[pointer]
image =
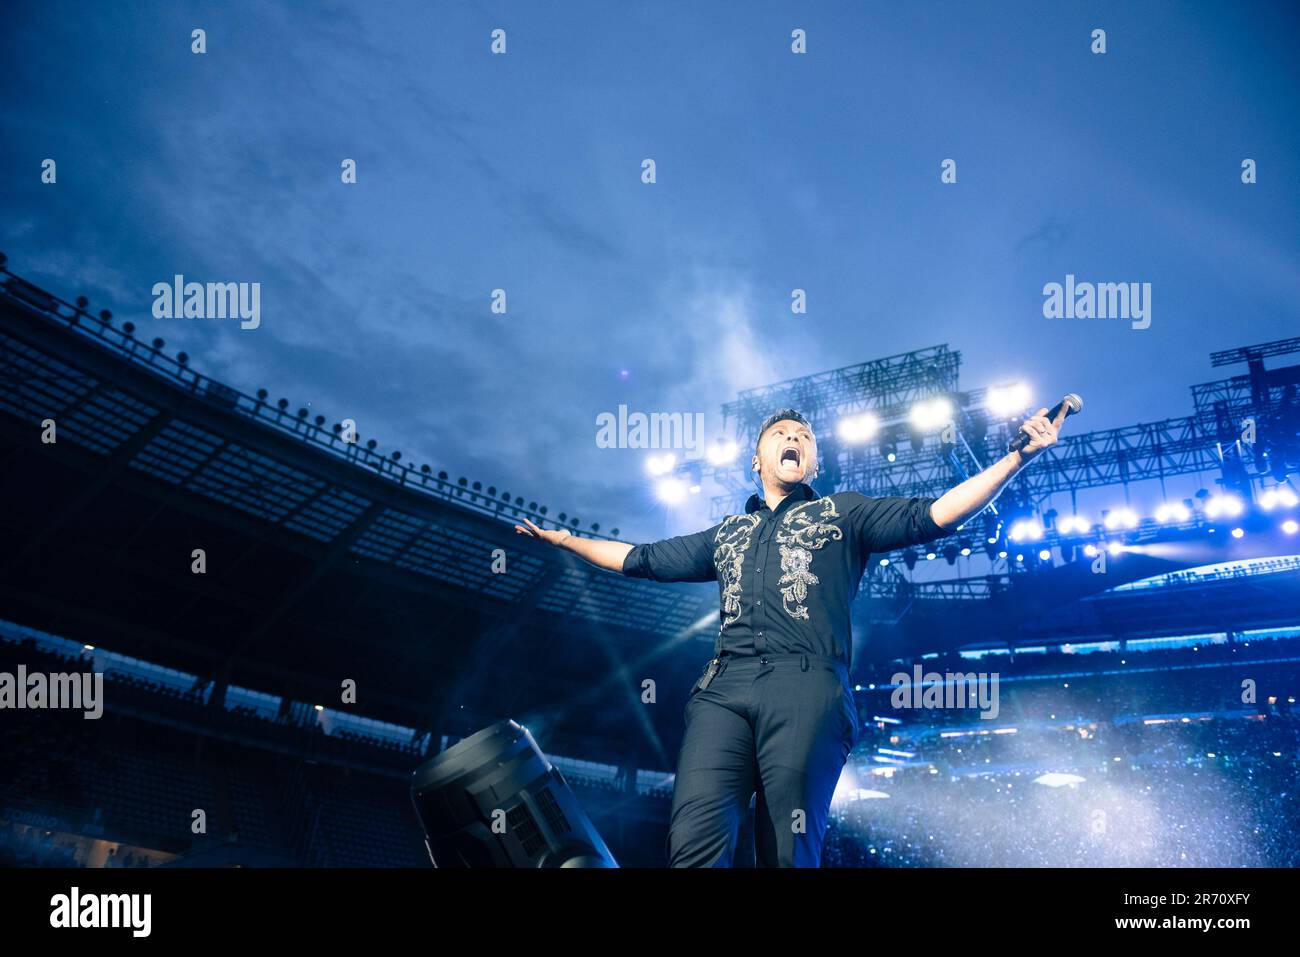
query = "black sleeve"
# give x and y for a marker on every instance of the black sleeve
(894, 522)
(686, 558)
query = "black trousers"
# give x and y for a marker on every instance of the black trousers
(779, 726)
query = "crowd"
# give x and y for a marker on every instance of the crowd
(1167, 766)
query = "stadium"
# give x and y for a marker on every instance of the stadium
(227, 561)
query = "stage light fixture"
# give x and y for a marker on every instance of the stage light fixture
(671, 491)
(1025, 530)
(1224, 506)
(930, 415)
(1121, 518)
(660, 464)
(1172, 512)
(499, 776)
(1005, 401)
(1073, 524)
(856, 429)
(723, 452)
(1290, 526)
(1277, 498)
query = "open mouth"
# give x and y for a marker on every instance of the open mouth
(790, 456)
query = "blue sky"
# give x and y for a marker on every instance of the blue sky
(775, 171)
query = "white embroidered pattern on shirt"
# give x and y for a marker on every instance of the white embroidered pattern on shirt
(802, 532)
(732, 541)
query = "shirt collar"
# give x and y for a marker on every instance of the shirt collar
(803, 492)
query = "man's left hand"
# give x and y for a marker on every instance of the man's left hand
(1042, 431)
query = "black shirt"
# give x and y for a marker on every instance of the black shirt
(786, 578)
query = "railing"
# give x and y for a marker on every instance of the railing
(313, 432)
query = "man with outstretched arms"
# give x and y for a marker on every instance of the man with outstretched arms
(773, 712)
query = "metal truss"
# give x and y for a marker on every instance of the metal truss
(885, 386)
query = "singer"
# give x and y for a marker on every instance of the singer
(772, 713)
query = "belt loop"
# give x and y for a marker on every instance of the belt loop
(803, 664)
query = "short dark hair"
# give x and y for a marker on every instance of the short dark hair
(779, 416)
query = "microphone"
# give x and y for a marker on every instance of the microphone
(1072, 405)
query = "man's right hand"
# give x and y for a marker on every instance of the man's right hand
(550, 536)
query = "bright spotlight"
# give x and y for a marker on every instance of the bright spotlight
(1090, 551)
(1114, 548)
(723, 452)
(1026, 530)
(1238, 532)
(1290, 526)
(1121, 518)
(1277, 498)
(930, 556)
(846, 788)
(1073, 523)
(1057, 779)
(1005, 401)
(660, 464)
(1045, 554)
(671, 491)
(1172, 512)
(1228, 506)
(931, 414)
(856, 429)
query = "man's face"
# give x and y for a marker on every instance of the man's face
(787, 454)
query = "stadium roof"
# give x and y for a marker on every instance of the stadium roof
(324, 559)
